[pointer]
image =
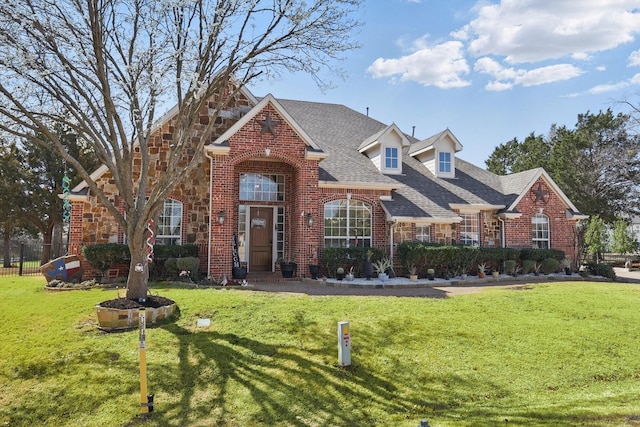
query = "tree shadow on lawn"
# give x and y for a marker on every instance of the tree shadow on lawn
(288, 389)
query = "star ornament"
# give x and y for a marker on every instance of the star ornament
(268, 125)
(540, 194)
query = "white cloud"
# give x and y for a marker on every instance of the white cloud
(539, 30)
(441, 65)
(609, 87)
(507, 77)
(509, 32)
(596, 90)
(634, 59)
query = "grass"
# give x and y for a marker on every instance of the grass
(560, 354)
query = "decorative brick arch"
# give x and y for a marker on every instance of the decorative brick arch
(259, 154)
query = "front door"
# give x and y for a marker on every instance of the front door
(260, 239)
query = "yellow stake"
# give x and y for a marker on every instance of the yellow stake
(144, 404)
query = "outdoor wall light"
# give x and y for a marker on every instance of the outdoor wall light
(221, 216)
(310, 219)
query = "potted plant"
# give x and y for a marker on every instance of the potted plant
(340, 273)
(495, 273)
(381, 266)
(314, 267)
(566, 263)
(482, 270)
(431, 274)
(367, 266)
(287, 268)
(349, 276)
(413, 273)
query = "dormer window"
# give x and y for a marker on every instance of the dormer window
(391, 158)
(444, 162)
(384, 149)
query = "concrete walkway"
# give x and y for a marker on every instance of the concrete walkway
(438, 288)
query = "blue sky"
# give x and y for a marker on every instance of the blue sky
(487, 70)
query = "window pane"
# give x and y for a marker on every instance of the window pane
(259, 187)
(169, 230)
(423, 233)
(391, 158)
(469, 229)
(445, 162)
(347, 223)
(540, 231)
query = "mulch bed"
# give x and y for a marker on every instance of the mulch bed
(124, 303)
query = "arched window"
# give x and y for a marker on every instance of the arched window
(540, 231)
(169, 227)
(347, 223)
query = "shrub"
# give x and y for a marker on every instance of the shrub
(539, 255)
(605, 270)
(163, 252)
(190, 264)
(171, 267)
(104, 256)
(550, 265)
(528, 266)
(332, 258)
(510, 266)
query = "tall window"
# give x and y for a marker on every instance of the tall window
(444, 162)
(423, 233)
(347, 223)
(260, 187)
(169, 230)
(391, 158)
(540, 231)
(469, 229)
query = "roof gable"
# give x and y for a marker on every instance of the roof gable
(251, 115)
(435, 141)
(378, 137)
(521, 183)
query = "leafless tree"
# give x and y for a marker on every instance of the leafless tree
(107, 68)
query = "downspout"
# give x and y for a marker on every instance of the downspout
(391, 230)
(502, 233)
(210, 212)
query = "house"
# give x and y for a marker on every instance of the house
(288, 178)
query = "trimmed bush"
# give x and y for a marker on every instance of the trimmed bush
(171, 266)
(550, 265)
(332, 258)
(540, 254)
(528, 266)
(189, 264)
(104, 256)
(510, 266)
(605, 270)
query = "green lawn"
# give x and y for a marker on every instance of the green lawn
(560, 354)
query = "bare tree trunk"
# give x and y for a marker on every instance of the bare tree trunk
(46, 247)
(137, 282)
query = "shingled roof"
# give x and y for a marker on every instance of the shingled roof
(417, 193)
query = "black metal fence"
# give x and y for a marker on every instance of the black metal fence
(26, 258)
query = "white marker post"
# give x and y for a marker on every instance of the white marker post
(344, 344)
